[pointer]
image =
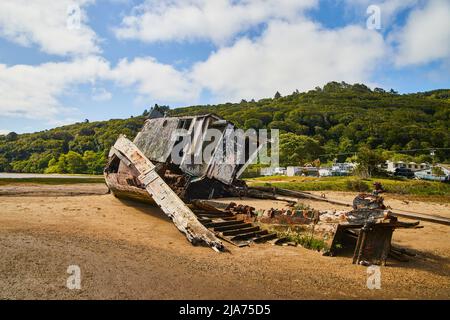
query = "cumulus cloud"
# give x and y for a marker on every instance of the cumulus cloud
(217, 20)
(155, 80)
(287, 56)
(33, 91)
(51, 25)
(101, 94)
(290, 56)
(425, 36)
(292, 52)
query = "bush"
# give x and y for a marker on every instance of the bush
(357, 185)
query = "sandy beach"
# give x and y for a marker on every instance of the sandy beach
(132, 251)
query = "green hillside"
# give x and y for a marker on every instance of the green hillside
(334, 121)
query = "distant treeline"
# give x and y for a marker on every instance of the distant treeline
(326, 123)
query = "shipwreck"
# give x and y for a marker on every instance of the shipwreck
(160, 168)
(189, 180)
(146, 170)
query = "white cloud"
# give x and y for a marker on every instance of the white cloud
(291, 52)
(288, 57)
(426, 35)
(155, 80)
(215, 20)
(101, 94)
(33, 91)
(4, 132)
(45, 23)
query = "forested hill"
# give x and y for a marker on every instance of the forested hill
(336, 119)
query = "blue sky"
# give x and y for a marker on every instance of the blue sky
(70, 60)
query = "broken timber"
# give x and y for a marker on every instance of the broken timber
(223, 220)
(183, 218)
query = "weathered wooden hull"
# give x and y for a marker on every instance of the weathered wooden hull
(138, 175)
(125, 191)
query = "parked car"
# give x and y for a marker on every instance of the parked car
(404, 172)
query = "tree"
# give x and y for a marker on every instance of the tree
(72, 162)
(253, 124)
(369, 161)
(341, 118)
(392, 91)
(346, 145)
(277, 95)
(75, 163)
(12, 136)
(94, 161)
(87, 132)
(298, 149)
(57, 166)
(162, 109)
(278, 116)
(289, 126)
(4, 164)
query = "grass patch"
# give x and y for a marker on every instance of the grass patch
(301, 206)
(305, 240)
(391, 185)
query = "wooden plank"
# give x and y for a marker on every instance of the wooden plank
(422, 217)
(183, 218)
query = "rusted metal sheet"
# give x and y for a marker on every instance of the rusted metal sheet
(373, 244)
(366, 229)
(183, 218)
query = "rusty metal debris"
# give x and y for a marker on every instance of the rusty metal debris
(290, 195)
(366, 229)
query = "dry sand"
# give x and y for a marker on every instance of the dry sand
(132, 251)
